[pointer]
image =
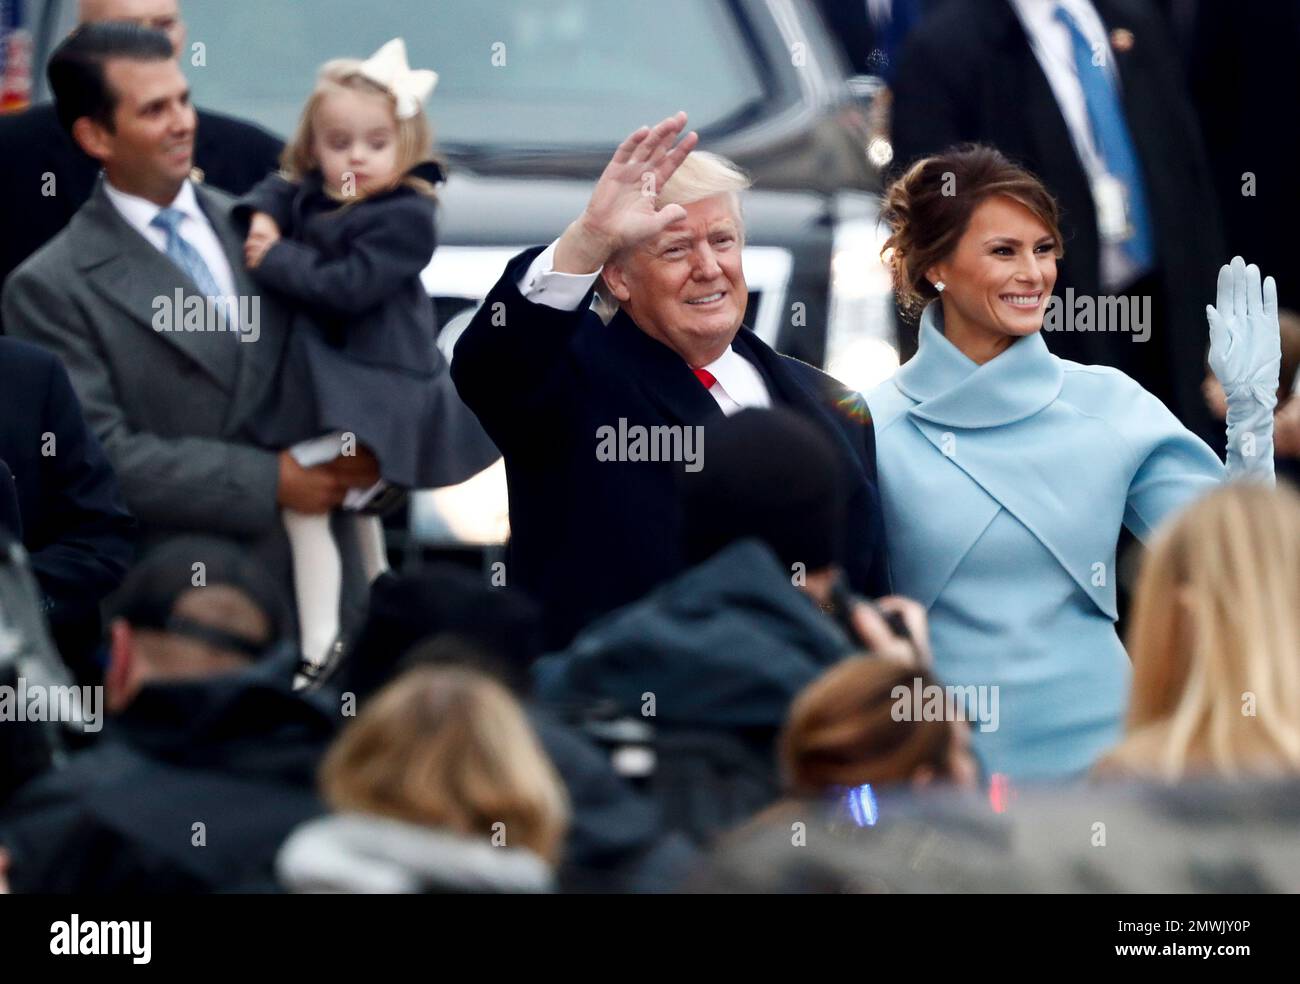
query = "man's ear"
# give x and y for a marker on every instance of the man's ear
(119, 685)
(616, 281)
(92, 137)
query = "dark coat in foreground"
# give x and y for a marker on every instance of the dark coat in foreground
(589, 535)
(361, 356)
(71, 517)
(237, 754)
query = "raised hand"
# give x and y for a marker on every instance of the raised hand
(621, 212)
(1245, 339)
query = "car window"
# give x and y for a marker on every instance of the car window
(513, 73)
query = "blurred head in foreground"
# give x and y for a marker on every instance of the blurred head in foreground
(1215, 642)
(449, 748)
(193, 608)
(856, 724)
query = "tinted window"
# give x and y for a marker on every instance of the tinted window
(512, 72)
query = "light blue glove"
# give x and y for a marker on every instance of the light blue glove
(1246, 356)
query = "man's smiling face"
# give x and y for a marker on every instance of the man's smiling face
(686, 287)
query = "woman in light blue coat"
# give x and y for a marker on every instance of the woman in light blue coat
(1006, 472)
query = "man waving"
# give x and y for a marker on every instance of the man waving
(594, 419)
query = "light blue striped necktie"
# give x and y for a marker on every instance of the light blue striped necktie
(1114, 142)
(182, 252)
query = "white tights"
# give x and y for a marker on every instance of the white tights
(318, 574)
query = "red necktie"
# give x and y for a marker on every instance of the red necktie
(705, 377)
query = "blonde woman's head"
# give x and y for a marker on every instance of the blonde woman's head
(449, 748)
(1215, 640)
(351, 133)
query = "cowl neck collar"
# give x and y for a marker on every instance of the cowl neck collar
(952, 390)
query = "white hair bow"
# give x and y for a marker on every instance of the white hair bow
(411, 87)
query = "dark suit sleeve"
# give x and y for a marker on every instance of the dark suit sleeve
(80, 539)
(393, 244)
(511, 365)
(11, 520)
(233, 153)
(273, 195)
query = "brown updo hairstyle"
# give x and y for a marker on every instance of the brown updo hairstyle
(929, 208)
(841, 731)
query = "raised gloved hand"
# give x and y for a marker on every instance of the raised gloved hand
(1246, 356)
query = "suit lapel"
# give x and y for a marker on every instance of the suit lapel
(257, 361)
(658, 373)
(132, 276)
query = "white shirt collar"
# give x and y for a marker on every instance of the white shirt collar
(139, 212)
(739, 379)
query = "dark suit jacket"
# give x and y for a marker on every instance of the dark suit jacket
(233, 155)
(1244, 52)
(74, 523)
(171, 408)
(586, 535)
(968, 74)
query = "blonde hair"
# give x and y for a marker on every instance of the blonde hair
(702, 175)
(449, 747)
(1216, 629)
(414, 134)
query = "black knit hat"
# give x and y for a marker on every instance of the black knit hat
(771, 475)
(499, 626)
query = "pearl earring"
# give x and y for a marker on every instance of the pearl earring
(939, 285)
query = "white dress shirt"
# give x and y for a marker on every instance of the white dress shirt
(738, 383)
(197, 230)
(1054, 49)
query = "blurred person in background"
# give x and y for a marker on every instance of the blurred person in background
(1242, 54)
(439, 785)
(871, 32)
(207, 759)
(232, 154)
(68, 511)
(1090, 97)
(1215, 642)
(594, 519)
(1008, 472)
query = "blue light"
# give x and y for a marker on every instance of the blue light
(862, 805)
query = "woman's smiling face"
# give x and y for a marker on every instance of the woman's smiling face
(997, 279)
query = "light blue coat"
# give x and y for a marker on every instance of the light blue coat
(1004, 487)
